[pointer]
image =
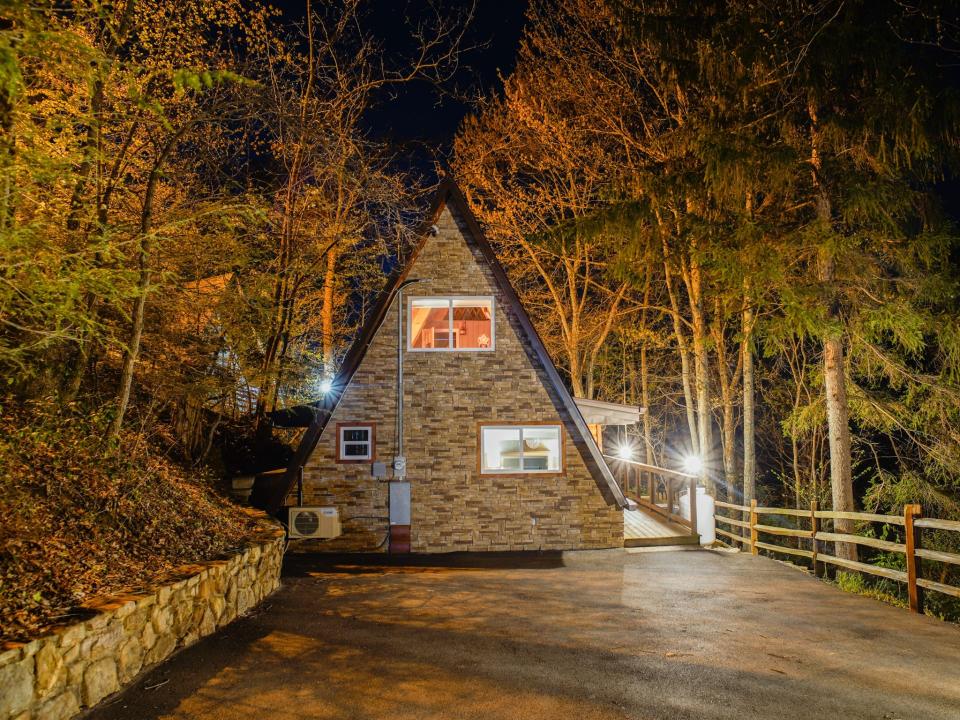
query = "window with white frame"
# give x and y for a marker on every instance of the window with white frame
(521, 449)
(355, 443)
(450, 324)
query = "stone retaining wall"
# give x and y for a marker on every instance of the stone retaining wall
(55, 677)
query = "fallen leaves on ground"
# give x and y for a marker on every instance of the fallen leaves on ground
(82, 520)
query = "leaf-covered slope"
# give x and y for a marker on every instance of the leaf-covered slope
(81, 520)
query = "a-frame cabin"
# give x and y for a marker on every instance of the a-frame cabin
(497, 455)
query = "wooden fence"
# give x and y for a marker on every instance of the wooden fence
(912, 549)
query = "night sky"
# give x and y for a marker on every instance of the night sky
(417, 119)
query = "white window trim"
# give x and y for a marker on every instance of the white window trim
(342, 444)
(520, 470)
(450, 299)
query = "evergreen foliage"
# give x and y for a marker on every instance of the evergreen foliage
(777, 170)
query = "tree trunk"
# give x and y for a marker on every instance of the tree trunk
(729, 378)
(645, 388)
(841, 475)
(8, 152)
(685, 374)
(576, 297)
(283, 301)
(795, 459)
(729, 434)
(600, 342)
(645, 400)
(834, 376)
(115, 39)
(576, 372)
(327, 312)
(749, 427)
(81, 359)
(701, 372)
(136, 329)
(132, 353)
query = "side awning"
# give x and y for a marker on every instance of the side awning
(599, 412)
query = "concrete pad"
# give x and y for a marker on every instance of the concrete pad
(593, 635)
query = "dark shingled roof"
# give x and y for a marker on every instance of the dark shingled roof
(447, 194)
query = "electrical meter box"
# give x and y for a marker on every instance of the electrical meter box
(399, 503)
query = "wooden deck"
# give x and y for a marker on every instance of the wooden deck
(642, 528)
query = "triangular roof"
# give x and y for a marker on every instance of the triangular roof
(447, 194)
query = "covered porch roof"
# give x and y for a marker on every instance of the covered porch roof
(600, 412)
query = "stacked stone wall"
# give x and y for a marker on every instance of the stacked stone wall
(57, 676)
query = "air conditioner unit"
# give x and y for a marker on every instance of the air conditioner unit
(314, 522)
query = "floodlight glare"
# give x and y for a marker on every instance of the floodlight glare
(693, 464)
(326, 385)
(625, 452)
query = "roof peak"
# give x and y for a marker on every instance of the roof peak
(447, 194)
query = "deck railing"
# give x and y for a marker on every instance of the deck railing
(659, 491)
(912, 549)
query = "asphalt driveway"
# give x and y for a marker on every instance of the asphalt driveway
(697, 634)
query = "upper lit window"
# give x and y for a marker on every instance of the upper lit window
(355, 443)
(450, 323)
(521, 449)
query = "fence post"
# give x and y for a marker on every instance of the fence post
(814, 529)
(753, 527)
(914, 567)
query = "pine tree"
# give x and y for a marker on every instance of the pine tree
(856, 124)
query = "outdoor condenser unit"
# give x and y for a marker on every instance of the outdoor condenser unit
(314, 522)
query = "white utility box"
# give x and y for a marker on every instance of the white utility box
(399, 503)
(314, 522)
(706, 525)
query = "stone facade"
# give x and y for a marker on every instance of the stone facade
(57, 676)
(446, 396)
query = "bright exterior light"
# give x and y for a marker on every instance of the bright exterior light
(692, 464)
(625, 452)
(326, 385)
